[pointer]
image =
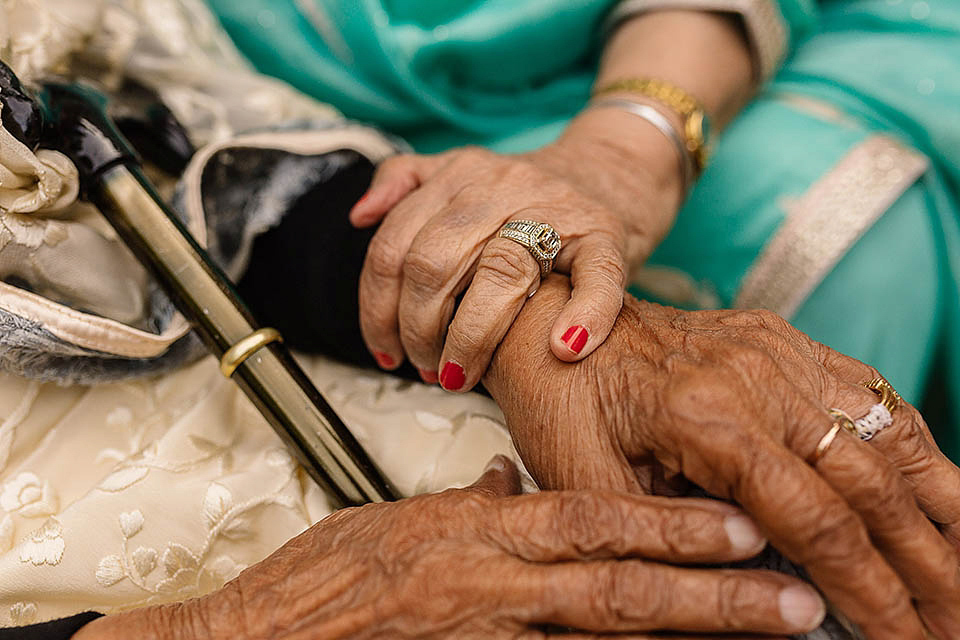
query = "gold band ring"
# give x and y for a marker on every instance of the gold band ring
(842, 418)
(246, 347)
(888, 396)
(825, 443)
(539, 238)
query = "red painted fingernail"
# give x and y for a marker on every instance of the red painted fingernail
(360, 201)
(383, 359)
(430, 377)
(452, 376)
(575, 337)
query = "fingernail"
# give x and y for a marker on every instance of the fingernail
(383, 359)
(359, 202)
(802, 608)
(497, 463)
(575, 337)
(452, 376)
(743, 533)
(430, 377)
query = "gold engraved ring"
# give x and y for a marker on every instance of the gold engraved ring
(246, 347)
(889, 398)
(539, 238)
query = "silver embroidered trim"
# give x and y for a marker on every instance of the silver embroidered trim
(765, 26)
(826, 221)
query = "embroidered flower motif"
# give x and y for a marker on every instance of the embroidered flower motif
(22, 613)
(110, 571)
(181, 567)
(29, 496)
(144, 561)
(45, 545)
(216, 503)
(131, 523)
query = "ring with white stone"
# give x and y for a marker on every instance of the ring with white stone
(539, 238)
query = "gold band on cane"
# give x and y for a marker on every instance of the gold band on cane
(888, 396)
(246, 347)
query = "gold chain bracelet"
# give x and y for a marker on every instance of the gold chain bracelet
(695, 123)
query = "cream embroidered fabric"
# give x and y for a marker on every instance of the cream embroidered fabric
(126, 494)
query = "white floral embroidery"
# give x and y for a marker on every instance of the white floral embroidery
(110, 570)
(22, 613)
(29, 496)
(45, 545)
(144, 561)
(216, 503)
(131, 523)
(120, 480)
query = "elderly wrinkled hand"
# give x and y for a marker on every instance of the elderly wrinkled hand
(737, 402)
(483, 562)
(439, 239)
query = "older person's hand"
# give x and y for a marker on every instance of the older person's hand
(438, 239)
(484, 563)
(737, 403)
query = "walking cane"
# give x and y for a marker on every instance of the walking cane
(72, 119)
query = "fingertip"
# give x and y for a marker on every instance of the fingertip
(745, 537)
(364, 213)
(801, 607)
(452, 376)
(573, 344)
(386, 361)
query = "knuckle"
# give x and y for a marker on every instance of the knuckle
(837, 536)
(470, 157)
(735, 597)
(384, 260)
(424, 271)
(685, 532)
(587, 522)
(507, 265)
(618, 599)
(396, 162)
(521, 172)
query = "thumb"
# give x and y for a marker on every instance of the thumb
(500, 478)
(598, 274)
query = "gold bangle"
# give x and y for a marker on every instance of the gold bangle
(246, 347)
(696, 127)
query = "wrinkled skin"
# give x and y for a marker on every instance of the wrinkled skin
(736, 402)
(483, 562)
(438, 239)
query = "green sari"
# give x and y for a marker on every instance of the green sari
(832, 199)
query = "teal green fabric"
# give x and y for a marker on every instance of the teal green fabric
(509, 74)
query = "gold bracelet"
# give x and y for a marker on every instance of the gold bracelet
(695, 123)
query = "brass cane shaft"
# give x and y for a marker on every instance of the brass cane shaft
(269, 376)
